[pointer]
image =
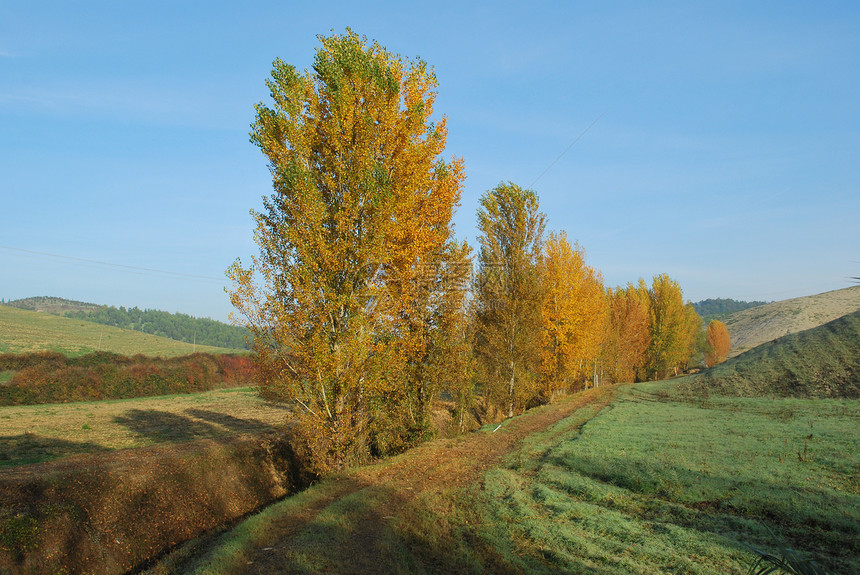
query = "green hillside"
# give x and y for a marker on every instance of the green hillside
(645, 484)
(23, 331)
(755, 326)
(178, 326)
(820, 362)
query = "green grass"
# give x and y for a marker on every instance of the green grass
(669, 487)
(704, 475)
(650, 484)
(24, 331)
(820, 362)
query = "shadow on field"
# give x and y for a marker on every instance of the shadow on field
(713, 504)
(164, 426)
(370, 529)
(230, 422)
(29, 448)
(161, 426)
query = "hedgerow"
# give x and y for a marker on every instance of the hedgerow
(49, 377)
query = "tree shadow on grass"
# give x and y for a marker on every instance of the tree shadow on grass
(730, 506)
(160, 426)
(230, 422)
(27, 448)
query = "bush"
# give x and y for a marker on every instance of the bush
(53, 378)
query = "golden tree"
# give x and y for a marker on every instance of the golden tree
(628, 333)
(671, 341)
(509, 293)
(450, 359)
(693, 337)
(361, 207)
(718, 343)
(572, 315)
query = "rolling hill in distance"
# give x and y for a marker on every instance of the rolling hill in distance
(821, 362)
(176, 326)
(24, 331)
(757, 325)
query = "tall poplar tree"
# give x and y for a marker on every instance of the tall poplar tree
(509, 293)
(573, 314)
(361, 207)
(674, 328)
(628, 333)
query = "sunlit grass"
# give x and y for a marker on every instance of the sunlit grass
(37, 433)
(656, 487)
(648, 484)
(23, 331)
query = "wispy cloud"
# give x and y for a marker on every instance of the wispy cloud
(7, 54)
(110, 98)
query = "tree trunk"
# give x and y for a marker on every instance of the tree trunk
(511, 393)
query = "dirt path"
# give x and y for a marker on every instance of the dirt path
(432, 468)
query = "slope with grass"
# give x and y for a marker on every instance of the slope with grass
(760, 324)
(656, 485)
(101, 487)
(23, 331)
(652, 478)
(178, 326)
(820, 362)
(667, 477)
(647, 483)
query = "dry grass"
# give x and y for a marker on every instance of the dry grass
(24, 331)
(755, 326)
(37, 433)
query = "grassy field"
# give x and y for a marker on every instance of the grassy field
(24, 331)
(658, 486)
(685, 476)
(37, 433)
(649, 484)
(670, 477)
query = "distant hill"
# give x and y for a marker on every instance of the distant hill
(754, 326)
(820, 362)
(25, 331)
(52, 305)
(178, 326)
(720, 308)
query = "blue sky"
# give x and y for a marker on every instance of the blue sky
(726, 150)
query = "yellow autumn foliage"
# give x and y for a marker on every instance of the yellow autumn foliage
(573, 315)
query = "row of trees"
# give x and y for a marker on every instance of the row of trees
(720, 308)
(363, 306)
(544, 322)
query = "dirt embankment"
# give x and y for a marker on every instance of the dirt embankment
(109, 513)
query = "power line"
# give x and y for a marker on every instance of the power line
(567, 149)
(113, 265)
